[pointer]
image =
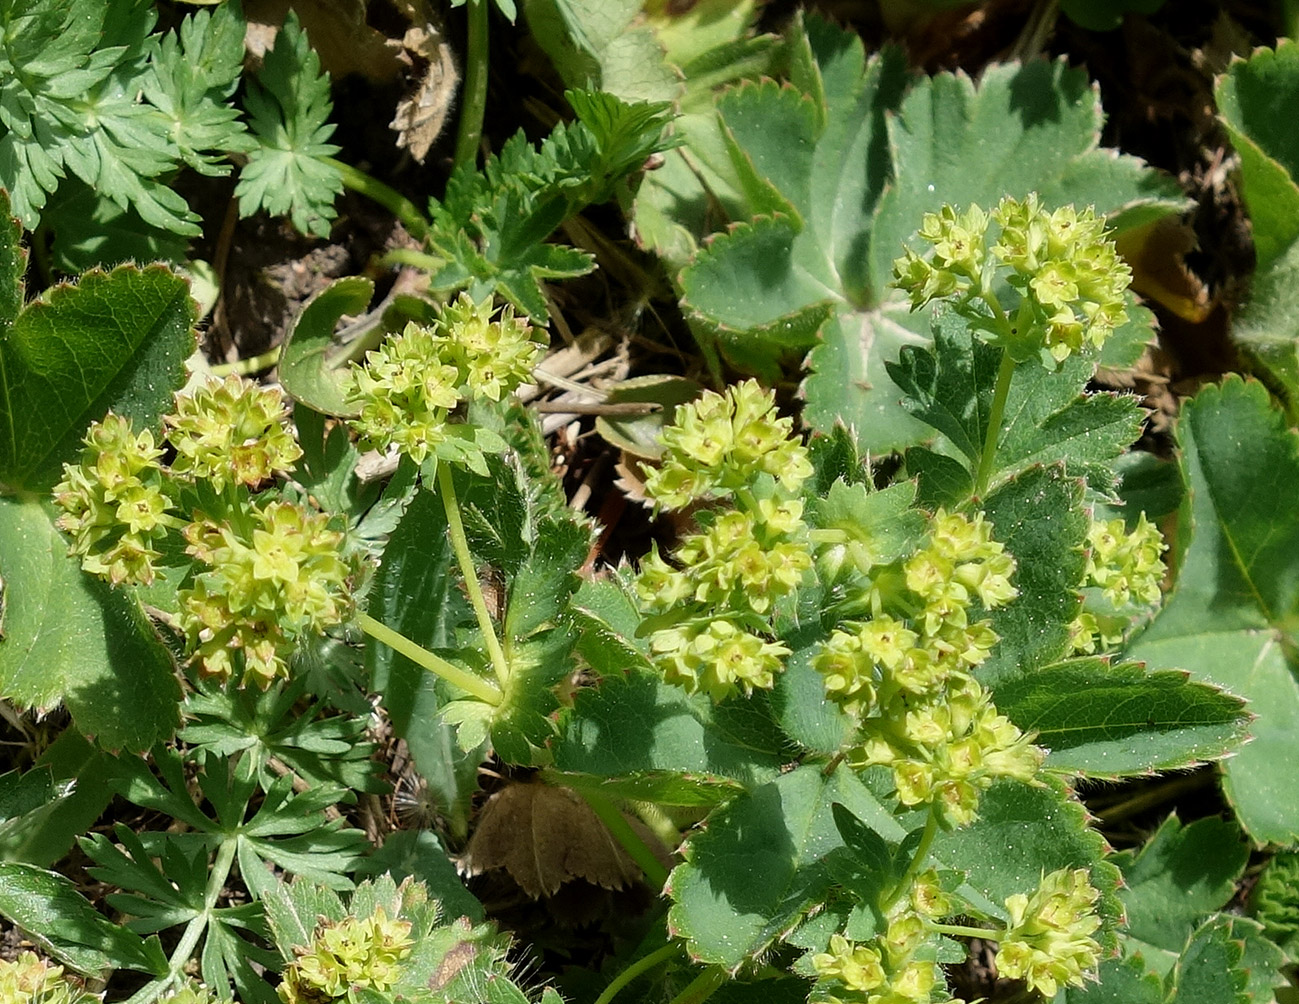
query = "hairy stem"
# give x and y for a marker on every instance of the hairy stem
(392, 200)
(917, 860)
(453, 674)
(702, 987)
(473, 97)
(1004, 374)
(641, 965)
(253, 364)
(460, 544)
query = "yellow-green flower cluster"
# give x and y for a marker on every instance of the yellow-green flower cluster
(1049, 942)
(958, 256)
(905, 671)
(29, 979)
(1124, 569)
(264, 587)
(113, 502)
(409, 386)
(946, 747)
(231, 432)
(720, 443)
(722, 597)
(1066, 269)
(921, 632)
(351, 954)
(897, 968)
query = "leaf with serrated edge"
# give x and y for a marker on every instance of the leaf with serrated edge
(1024, 128)
(1039, 517)
(1180, 876)
(636, 722)
(48, 906)
(1253, 97)
(1109, 721)
(1231, 610)
(114, 340)
(760, 863)
(1024, 831)
(68, 636)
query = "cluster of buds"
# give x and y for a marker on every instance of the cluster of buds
(409, 387)
(263, 589)
(718, 596)
(114, 504)
(267, 572)
(898, 967)
(231, 432)
(905, 671)
(1069, 276)
(345, 957)
(29, 979)
(1049, 943)
(719, 444)
(1123, 577)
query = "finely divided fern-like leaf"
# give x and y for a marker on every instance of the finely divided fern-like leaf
(490, 226)
(288, 107)
(71, 74)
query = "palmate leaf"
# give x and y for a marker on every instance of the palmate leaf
(193, 72)
(837, 169)
(70, 81)
(1049, 417)
(1230, 617)
(289, 172)
(761, 863)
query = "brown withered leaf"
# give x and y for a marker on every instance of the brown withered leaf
(422, 114)
(545, 836)
(1157, 254)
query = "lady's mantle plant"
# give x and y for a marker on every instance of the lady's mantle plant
(853, 677)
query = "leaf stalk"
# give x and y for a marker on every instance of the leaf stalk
(453, 674)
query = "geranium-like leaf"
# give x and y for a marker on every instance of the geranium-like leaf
(837, 169)
(1107, 720)
(1230, 617)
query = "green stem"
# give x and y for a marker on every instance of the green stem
(392, 200)
(188, 943)
(655, 874)
(409, 256)
(702, 987)
(460, 544)
(473, 97)
(960, 931)
(917, 859)
(454, 675)
(1004, 374)
(641, 965)
(253, 364)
